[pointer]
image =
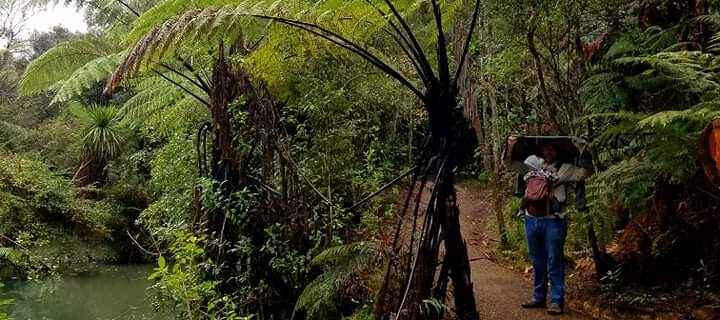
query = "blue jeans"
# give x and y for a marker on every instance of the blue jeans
(546, 241)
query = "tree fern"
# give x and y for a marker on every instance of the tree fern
(200, 24)
(62, 61)
(85, 77)
(341, 264)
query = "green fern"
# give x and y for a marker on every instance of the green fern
(153, 94)
(342, 264)
(62, 61)
(85, 77)
(194, 26)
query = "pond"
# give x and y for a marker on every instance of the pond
(115, 292)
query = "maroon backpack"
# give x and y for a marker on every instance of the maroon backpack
(538, 195)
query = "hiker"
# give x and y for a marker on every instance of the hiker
(543, 209)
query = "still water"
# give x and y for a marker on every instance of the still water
(116, 292)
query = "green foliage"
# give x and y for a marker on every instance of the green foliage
(183, 279)
(85, 77)
(173, 182)
(4, 304)
(36, 207)
(68, 66)
(515, 228)
(650, 102)
(101, 134)
(341, 265)
(32, 192)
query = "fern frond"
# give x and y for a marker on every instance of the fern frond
(319, 299)
(699, 116)
(625, 45)
(207, 23)
(338, 254)
(152, 94)
(85, 77)
(602, 93)
(60, 62)
(687, 68)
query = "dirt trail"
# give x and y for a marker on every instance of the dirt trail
(498, 291)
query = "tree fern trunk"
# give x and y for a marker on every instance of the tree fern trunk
(451, 141)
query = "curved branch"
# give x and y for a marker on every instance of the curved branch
(383, 188)
(127, 6)
(422, 58)
(424, 71)
(473, 24)
(186, 90)
(139, 246)
(348, 45)
(200, 85)
(442, 54)
(406, 49)
(190, 68)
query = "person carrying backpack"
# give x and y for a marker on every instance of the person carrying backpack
(543, 208)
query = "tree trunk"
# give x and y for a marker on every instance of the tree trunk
(225, 168)
(449, 142)
(709, 152)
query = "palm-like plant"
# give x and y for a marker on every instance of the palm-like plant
(101, 136)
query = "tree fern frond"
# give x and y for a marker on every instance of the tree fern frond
(319, 299)
(85, 77)
(620, 115)
(656, 39)
(625, 45)
(601, 93)
(699, 116)
(207, 22)
(338, 254)
(688, 68)
(60, 62)
(629, 180)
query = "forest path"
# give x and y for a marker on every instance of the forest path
(498, 291)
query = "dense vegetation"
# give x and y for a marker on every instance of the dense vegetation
(233, 144)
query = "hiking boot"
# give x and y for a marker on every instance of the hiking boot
(555, 309)
(534, 304)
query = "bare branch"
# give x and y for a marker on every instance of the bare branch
(383, 188)
(186, 90)
(422, 58)
(201, 81)
(411, 52)
(442, 54)
(346, 44)
(463, 59)
(186, 77)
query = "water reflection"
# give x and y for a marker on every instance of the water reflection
(117, 292)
